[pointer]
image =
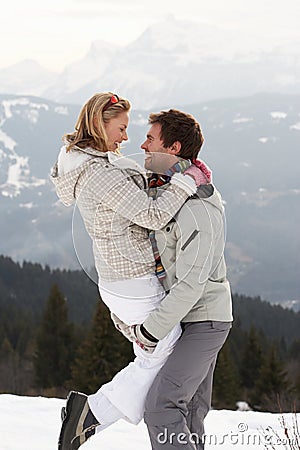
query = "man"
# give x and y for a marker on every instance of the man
(191, 248)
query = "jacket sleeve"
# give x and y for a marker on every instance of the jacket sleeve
(194, 257)
(127, 199)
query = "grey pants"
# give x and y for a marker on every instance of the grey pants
(180, 396)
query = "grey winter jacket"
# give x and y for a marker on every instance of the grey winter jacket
(192, 252)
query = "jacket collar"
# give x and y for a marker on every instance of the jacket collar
(120, 161)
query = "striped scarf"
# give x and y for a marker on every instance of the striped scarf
(155, 181)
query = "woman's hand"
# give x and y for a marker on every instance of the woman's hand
(136, 333)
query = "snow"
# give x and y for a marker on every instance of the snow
(278, 115)
(18, 173)
(26, 77)
(263, 140)
(18, 176)
(23, 101)
(8, 104)
(8, 142)
(140, 121)
(192, 41)
(15, 170)
(242, 120)
(182, 50)
(5, 193)
(81, 73)
(285, 79)
(32, 115)
(295, 127)
(33, 423)
(61, 110)
(28, 205)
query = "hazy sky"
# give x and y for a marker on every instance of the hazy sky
(57, 32)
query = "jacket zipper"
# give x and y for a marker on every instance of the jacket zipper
(192, 236)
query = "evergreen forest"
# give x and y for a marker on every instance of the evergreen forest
(56, 334)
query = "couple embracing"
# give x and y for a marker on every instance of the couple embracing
(158, 242)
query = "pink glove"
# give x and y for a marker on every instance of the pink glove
(200, 172)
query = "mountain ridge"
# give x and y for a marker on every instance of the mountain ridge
(172, 61)
(251, 143)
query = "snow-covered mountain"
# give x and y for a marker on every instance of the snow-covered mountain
(27, 78)
(172, 62)
(75, 76)
(183, 62)
(251, 143)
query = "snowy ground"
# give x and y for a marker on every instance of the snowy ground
(33, 423)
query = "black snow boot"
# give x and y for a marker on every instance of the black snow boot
(79, 423)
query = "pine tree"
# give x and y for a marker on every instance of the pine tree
(54, 343)
(102, 354)
(226, 389)
(8, 361)
(297, 385)
(237, 341)
(251, 360)
(294, 350)
(271, 383)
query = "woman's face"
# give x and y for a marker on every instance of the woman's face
(116, 130)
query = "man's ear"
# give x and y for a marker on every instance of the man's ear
(175, 148)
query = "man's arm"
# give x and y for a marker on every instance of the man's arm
(194, 256)
(193, 266)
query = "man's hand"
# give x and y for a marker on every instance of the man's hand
(137, 334)
(143, 339)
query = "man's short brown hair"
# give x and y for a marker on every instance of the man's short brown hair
(179, 126)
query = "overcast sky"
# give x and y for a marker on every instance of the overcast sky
(57, 32)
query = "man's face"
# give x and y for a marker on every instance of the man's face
(157, 157)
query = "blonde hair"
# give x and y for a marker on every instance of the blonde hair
(90, 131)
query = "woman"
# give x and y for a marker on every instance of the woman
(109, 191)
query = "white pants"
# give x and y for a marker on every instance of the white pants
(132, 301)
